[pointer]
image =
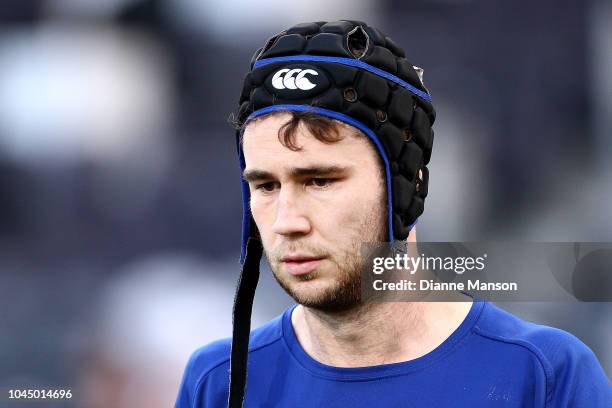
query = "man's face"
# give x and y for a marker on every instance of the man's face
(313, 208)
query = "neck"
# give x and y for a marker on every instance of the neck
(377, 333)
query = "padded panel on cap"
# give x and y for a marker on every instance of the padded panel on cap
(421, 127)
(382, 58)
(394, 168)
(327, 44)
(343, 76)
(363, 112)
(406, 71)
(372, 89)
(410, 159)
(400, 108)
(258, 76)
(304, 29)
(290, 44)
(260, 98)
(403, 191)
(416, 208)
(400, 228)
(332, 99)
(394, 48)
(376, 36)
(271, 41)
(338, 27)
(392, 139)
(428, 108)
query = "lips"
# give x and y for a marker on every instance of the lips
(300, 264)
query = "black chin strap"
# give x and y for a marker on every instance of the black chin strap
(243, 306)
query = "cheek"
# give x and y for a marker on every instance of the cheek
(260, 210)
(350, 209)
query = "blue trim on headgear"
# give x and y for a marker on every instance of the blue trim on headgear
(347, 61)
(246, 215)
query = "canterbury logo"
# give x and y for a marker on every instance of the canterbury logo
(287, 79)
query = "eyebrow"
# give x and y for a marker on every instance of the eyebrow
(296, 172)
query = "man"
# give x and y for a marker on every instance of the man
(334, 139)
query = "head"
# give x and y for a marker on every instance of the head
(317, 192)
(312, 197)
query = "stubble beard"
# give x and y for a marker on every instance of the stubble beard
(344, 293)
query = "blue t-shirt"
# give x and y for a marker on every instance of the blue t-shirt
(493, 359)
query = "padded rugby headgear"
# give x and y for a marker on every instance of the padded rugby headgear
(348, 71)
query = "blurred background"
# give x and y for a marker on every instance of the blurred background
(119, 196)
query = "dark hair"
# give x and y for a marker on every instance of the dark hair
(324, 129)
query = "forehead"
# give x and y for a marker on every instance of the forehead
(262, 146)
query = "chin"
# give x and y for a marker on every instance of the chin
(308, 287)
(330, 305)
(312, 288)
(323, 295)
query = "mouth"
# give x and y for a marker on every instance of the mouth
(300, 264)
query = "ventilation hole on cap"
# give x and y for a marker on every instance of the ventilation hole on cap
(407, 135)
(350, 94)
(358, 42)
(381, 115)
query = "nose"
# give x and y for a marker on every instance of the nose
(290, 218)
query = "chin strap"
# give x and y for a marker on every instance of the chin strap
(243, 306)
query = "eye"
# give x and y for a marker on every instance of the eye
(268, 187)
(320, 182)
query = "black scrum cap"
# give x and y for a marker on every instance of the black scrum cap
(348, 71)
